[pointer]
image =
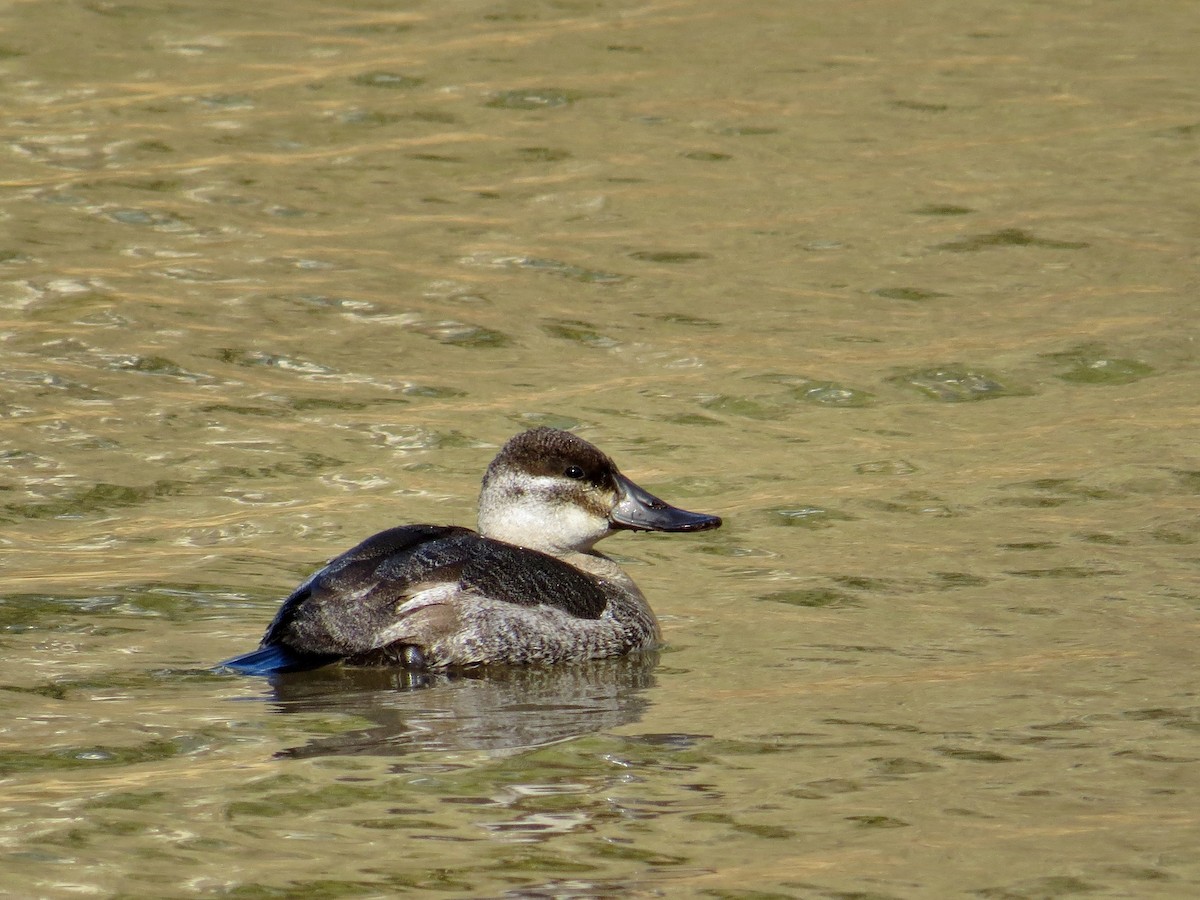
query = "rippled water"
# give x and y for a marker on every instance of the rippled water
(905, 292)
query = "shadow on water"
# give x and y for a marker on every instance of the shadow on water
(492, 709)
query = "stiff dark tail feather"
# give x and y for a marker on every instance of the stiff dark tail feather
(272, 659)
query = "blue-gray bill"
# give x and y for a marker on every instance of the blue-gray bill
(639, 510)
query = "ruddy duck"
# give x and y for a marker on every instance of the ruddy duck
(527, 588)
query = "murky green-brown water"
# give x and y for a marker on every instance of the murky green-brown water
(906, 292)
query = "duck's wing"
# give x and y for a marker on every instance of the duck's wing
(333, 613)
(506, 573)
(397, 588)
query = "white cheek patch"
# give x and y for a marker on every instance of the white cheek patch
(543, 512)
(575, 520)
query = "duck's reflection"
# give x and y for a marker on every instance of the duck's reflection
(491, 709)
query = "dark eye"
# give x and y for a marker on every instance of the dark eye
(574, 472)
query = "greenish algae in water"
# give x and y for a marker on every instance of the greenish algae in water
(1093, 364)
(669, 256)
(942, 209)
(829, 393)
(955, 384)
(563, 269)
(95, 498)
(579, 332)
(461, 334)
(748, 407)
(1008, 237)
(392, 80)
(907, 293)
(818, 392)
(813, 597)
(13, 762)
(533, 98)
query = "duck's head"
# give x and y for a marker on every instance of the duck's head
(552, 491)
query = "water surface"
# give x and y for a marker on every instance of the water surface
(906, 293)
